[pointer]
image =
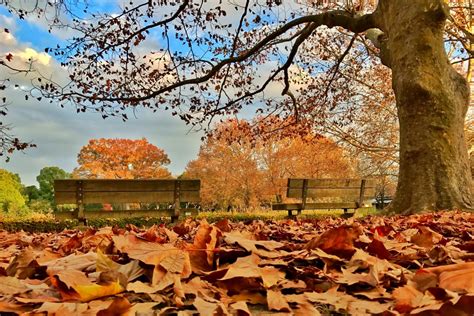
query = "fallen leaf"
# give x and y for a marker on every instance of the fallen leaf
(348, 303)
(458, 280)
(12, 286)
(78, 286)
(276, 301)
(337, 241)
(64, 308)
(303, 306)
(119, 306)
(377, 248)
(426, 237)
(240, 308)
(202, 251)
(205, 307)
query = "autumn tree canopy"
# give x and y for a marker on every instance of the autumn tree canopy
(241, 172)
(121, 159)
(200, 60)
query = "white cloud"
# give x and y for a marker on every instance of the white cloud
(31, 54)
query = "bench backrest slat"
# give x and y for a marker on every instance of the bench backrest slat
(126, 191)
(322, 188)
(125, 185)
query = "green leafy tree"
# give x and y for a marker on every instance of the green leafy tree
(32, 193)
(46, 181)
(10, 192)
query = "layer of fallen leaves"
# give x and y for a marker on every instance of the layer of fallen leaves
(418, 265)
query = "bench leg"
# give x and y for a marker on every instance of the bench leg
(347, 214)
(290, 214)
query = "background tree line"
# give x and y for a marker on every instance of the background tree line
(237, 170)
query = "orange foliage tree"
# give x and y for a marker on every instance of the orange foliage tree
(121, 159)
(237, 170)
(308, 156)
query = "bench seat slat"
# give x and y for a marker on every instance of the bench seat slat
(124, 213)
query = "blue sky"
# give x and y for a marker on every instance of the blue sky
(60, 133)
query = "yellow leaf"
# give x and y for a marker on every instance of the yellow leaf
(93, 291)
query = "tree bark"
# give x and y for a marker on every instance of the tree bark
(432, 101)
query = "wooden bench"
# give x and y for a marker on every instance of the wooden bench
(169, 192)
(353, 192)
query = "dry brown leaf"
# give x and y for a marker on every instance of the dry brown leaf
(154, 253)
(119, 306)
(204, 307)
(426, 237)
(376, 293)
(62, 308)
(346, 302)
(13, 307)
(204, 289)
(140, 287)
(407, 298)
(450, 267)
(271, 276)
(142, 309)
(80, 262)
(202, 251)
(263, 248)
(337, 241)
(457, 280)
(277, 301)
(303, 306)
(240, 308)
(12, 286)
(147, 252)
(424, 279)
(245, 267)
(250, 297)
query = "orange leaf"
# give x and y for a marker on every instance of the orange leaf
(337, 241)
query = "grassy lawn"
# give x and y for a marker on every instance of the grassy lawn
(276, 215)
(46, 222)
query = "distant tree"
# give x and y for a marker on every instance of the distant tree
(229, 173)
(308, 156)
(121, 159)
(239, 171)
(32, 193)
(46, 179)
(11, 198)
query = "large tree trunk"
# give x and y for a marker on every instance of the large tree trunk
(432, 101)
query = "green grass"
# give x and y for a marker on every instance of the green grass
(278, 215)
(35, 222)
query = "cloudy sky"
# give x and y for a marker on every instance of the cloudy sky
(60, 133)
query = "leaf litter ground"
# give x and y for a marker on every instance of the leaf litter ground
(417, 265)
